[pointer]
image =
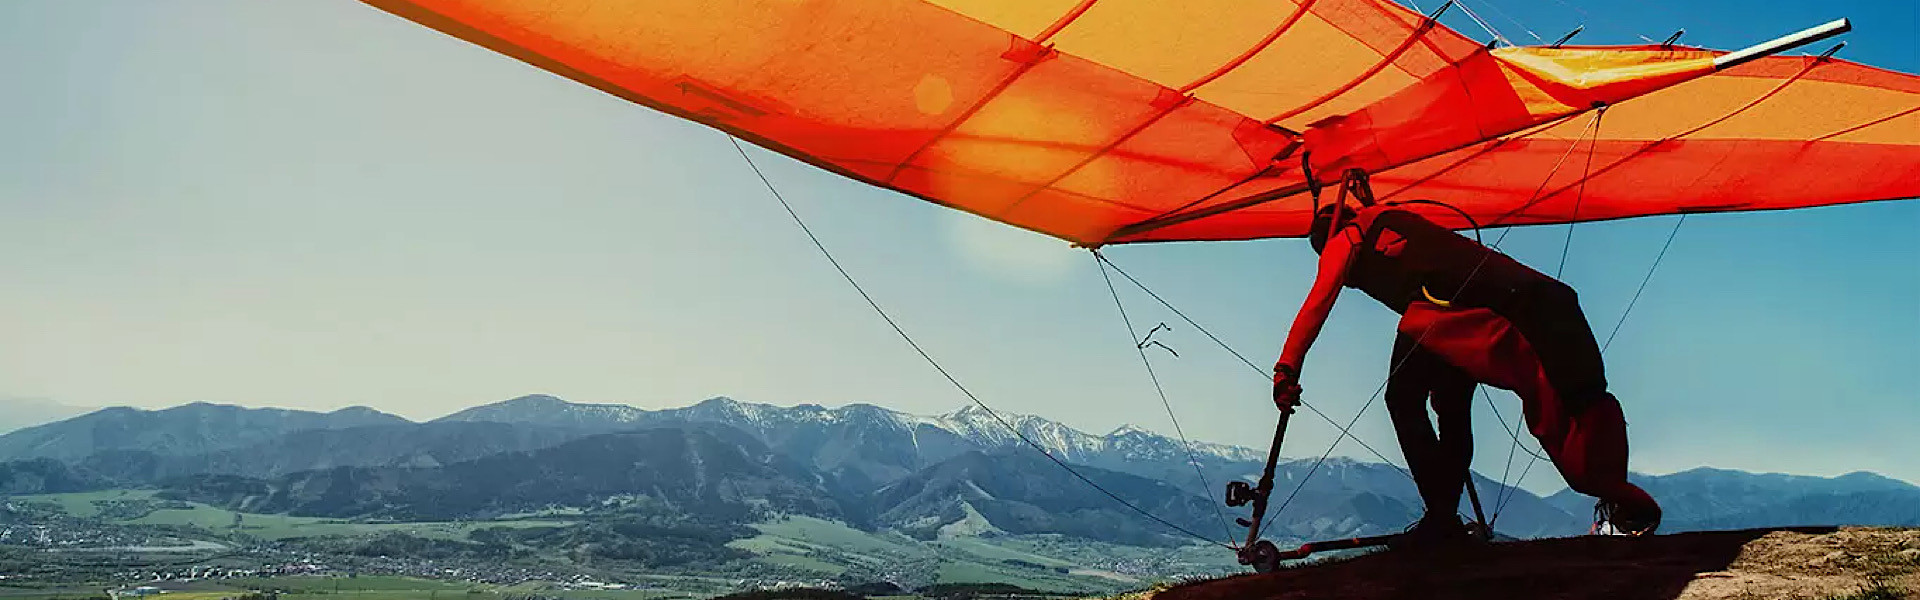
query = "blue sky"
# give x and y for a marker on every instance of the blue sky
(314, 205)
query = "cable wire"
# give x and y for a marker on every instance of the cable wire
(1243, 359)
(1162, 391)
(936, 364)
(1512, 491)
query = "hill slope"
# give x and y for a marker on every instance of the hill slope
(1017, 491)
(693, 473)
(1693, 566)
(403, 445)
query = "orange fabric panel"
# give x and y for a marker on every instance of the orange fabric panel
(1316, 46)
(1629, 179)
(1026, 18)
(1083, 118)
(1177, 156)
(1491, 94)
(1169, 43)
(1785, 132)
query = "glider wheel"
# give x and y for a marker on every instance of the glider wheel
(1263, 556)
(1479, 531)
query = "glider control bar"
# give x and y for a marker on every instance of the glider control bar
(1260, 554)
(1309, 548)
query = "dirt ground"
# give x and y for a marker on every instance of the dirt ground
(1803, 563)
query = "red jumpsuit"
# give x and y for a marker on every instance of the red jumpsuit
(1471, 315)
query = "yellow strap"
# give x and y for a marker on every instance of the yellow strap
(1430, 298)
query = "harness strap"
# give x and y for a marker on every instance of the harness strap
(1435, 301)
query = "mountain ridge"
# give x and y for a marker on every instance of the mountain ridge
(186, 429)
(1709, 498)
(973, 423)
(692, 471)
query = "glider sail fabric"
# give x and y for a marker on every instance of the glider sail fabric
(1113, 121)
(1778, 133)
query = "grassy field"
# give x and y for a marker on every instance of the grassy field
(613, 594)
(797, 546)
(827, 548)
(270, 527)
(821, 532)
(82, 504)
(987, 549)
(299, 588)
(348, 588)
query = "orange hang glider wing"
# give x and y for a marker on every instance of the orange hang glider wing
(1116, 121)
(1778, 133)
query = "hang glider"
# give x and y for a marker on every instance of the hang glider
(1117, 121)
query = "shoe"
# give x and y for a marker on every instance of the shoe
(1432, 531)
(1614, 518)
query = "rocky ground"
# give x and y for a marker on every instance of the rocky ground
(1803, 563)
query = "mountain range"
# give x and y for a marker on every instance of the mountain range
(1707, 498)
(189, 429)
(682, 471)
(724, 461)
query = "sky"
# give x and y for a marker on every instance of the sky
(313, 204)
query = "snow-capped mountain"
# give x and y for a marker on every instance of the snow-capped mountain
(865, 447)
(1135, 443)
(874, 445)
(980, 426)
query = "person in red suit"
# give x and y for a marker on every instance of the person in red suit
(1471, 315)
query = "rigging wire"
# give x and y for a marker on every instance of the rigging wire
(1243, 359)
(1663, 248)
(936, 364)
(1558, 271)
(1623, 318)
(1589, 17)
(1483, 24)
(1643, 282)
(1162, 391)
(1516, 22)
(1512, 431)
(1670, 235)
